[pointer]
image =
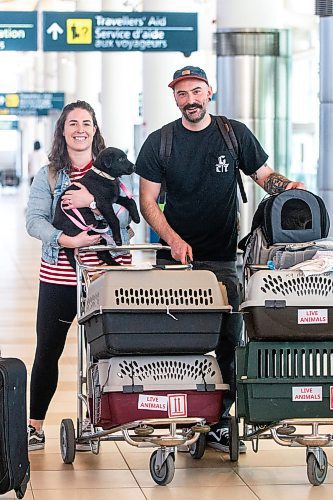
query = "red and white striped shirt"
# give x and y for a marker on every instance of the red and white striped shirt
(62, 273)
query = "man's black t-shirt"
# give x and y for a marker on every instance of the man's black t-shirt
(201, 204)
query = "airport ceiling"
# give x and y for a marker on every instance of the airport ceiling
(17, 5)
(29, 4)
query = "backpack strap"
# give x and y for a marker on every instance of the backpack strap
(164, 155)
(166, 144)
(230, 139)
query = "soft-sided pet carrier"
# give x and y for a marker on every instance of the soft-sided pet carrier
(124, 389)
(288, 305)
(154, 312)
(281, 221)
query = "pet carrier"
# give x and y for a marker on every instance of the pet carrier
(154, 312)
(155, 387)
(286, 304)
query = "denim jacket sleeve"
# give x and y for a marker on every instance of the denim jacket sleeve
(40, 210)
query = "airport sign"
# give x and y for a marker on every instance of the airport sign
(120, 31)
(18, 31)
(9, 125)
(31, 103)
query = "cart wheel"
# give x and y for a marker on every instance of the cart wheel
(234, 439)
(167, 471)
(198, 448)
(67, 440)
(316, 475)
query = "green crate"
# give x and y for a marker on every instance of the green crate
(271, 374)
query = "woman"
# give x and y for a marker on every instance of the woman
(77, 141)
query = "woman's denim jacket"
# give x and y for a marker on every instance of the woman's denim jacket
(41, 208)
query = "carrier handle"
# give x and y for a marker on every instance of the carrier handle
(114, 248)
(83, 269)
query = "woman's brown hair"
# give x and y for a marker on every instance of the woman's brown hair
(59, 155)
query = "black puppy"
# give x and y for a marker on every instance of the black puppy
(103, 183)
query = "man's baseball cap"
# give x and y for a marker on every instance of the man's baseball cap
(188, 72)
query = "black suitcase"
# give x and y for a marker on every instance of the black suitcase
(14, 462)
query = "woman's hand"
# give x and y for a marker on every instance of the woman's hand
(80, 240)
(77, 198)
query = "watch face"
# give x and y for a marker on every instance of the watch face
(93, 205)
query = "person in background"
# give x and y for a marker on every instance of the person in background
(199, 221)
(36, 160)
(77, 141)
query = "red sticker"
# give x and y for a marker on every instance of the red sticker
(177, 406)
(331, 397)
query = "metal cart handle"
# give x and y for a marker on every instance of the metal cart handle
(83, 269)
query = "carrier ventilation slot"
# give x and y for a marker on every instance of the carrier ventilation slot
(294, 363)
(166, 370)
(166, 297)
(300, 285)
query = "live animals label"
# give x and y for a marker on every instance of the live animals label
(150, 402)
(310, 316)
(307, 394)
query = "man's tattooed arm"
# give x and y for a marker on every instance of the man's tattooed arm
(275, 183)
(272, 182)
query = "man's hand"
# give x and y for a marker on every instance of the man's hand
(77, 198)
(181, 251)
(295, 185)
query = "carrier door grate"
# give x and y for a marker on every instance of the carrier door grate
(289, 362)
(165, 297)
(167, 370)
(300, 285)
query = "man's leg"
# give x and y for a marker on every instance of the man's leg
(230, 337)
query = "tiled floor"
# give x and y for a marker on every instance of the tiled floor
(121, 471)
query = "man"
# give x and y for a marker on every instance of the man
(199, 221)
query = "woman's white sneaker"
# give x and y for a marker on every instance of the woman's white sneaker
(36, 439)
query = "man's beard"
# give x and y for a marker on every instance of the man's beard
(191, 118)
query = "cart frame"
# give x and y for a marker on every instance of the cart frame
(187, 431)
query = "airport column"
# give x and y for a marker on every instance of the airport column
(88, 67)
(324, 9)
(67, 75)
(121, 76)
(253, 79)
(158, 68)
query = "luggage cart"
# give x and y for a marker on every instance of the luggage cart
(285, 370)
(143, 375)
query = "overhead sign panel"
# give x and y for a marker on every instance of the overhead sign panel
(8, 125)
(120, 31)
(18, 30)
(31, 103)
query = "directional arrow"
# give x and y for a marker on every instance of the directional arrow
(54, 30)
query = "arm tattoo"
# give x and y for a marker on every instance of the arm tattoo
(275, 183)
(254, 176)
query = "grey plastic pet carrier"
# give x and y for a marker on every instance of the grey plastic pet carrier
(289, 305)
(154, 312)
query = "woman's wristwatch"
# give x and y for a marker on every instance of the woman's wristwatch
(93, 205)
